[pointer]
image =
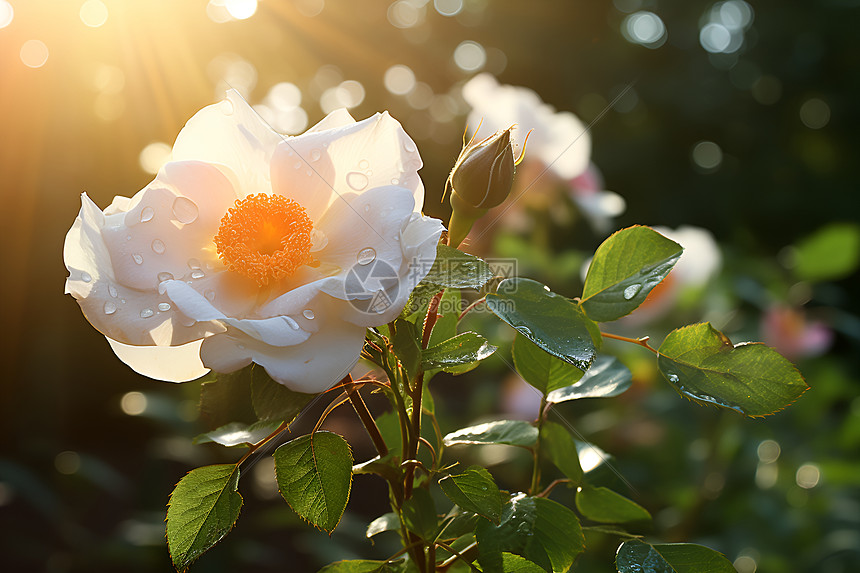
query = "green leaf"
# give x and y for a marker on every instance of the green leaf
(202, 510)
(406, 346)
(832, 252)
(551, 321)
(315, 476)
(385, 522)
(541, 530)
(239, 434)
(226, 398)
(607, 377)
(637, 557)
(454, 268)
(419, 514)
(358, 566)
(273, 401)
(515, 564)
(462, 349)
(509, 432)
(474, 490)
(751, 378)
(625, 268)
(560, 448)
(541, 369)
(605, 506)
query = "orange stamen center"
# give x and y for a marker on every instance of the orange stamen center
(265, 237)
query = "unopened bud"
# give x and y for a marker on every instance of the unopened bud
(481, 179)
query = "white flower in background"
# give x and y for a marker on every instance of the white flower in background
(254, 247)
(558, 142)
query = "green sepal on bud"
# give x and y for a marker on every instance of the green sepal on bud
(480, 180)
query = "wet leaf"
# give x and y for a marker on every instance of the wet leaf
(751, 378)
(554, 323)
(358, 566)
(509, 432)
(541, 369)
(203, 508)
(639, 557)
(239, 434)
(314, 475)
(456, 269)
(385, 522)
(605, 506)
(607, 377)
(474, 490)
(625, 268)
(465, 348)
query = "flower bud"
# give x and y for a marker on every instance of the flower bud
(481, 179)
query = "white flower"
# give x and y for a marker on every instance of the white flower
(252, 246)
(558, 142)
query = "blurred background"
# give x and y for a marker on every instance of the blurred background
(730, 123)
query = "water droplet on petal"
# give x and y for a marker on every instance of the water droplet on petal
(110, 307)
(298, 165)
(673, 378)
(128, 237)
(185, 210)
(164, 306)
(147, 214)
(86, 277)
(395, 181)
(194, 264)
(356, 180)
(226, 107)
(293, 324)
(164, 277)
(632, 291)
(315, 155)
(158, 246)
(146, 313)
(363, 164)
(319, 240)
(138, 259)
(210, 295)
(197, 274)
(112, 291)
(308, 313)
(409, 146)
(367, 208)
(366, 256)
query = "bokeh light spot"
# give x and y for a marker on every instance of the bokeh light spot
(707, 155)
(768, 451)
(241, 9)
(94, 13)
(151, 158)
(644, 28)
(399, 79)
(470, 56)
(7, 14)
(448, 7)
(815, 113)
(715, 38)
(745, 564)
(808, 476)
(67, 462)
(310, 8)
(34, 53)
(108, 79)
(133, 403)
(405, 14)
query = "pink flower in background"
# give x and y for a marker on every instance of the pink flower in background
(793, 335)
(254, 247)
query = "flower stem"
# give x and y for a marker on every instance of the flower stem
(365, 416)
(638, 341)
(533, 490)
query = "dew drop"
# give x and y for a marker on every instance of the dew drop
(525, 330)
(632, 291)
(194, 264)
(367, 208)
(185, 210)
(128, 237)
(110, 307)
(210, 295)
(356, 180)
(395, 181)
(363, 164)
(293, 324)
(146, 313)
(226, 107)
(138, 259)
(164, 277)
(298, 165)
(158, 246)
(112, 291)
(197, 274)
(673, 378)
(319, 240)
(164, 306)
(315, 155)
(147, 214)
(409, 146)
(308, 313)
(86, 277)
(309, 172)
(366, 256)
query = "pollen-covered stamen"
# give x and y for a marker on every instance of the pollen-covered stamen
(265, 237)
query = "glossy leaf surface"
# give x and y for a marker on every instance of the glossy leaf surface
(454, 268)
(474, 490)
(639, 557)
(509, 432)
(462, 349)
(541, 369)
(605, 506)
(560, 447)
(607, 377)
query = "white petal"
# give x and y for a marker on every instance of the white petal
(230, 133)
(169, 229)
(313, 366)
(125, 314)
(168, 363)
(338, 118)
